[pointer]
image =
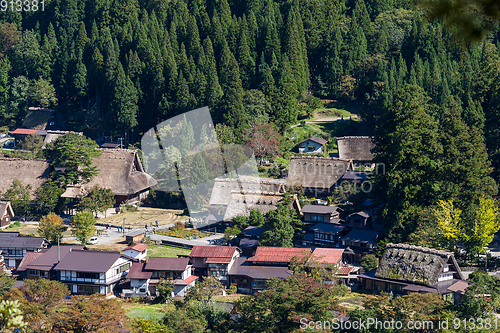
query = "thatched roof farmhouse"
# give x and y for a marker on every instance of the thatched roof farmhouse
(356, 148)
(407, 268)
(32, 172)
(121, 171)
(241, 203)
(317, 174)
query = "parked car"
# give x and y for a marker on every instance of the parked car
(93, 240)
(319, 202)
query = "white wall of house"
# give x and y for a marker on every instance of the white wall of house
(305, 147)
(136, 254)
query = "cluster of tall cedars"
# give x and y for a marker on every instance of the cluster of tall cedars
(432, 99)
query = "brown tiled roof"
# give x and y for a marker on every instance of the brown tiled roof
(137, 247)
(276, 254)
(88, 261)
(167, 264)
(327, 256)
(346, 270)
(199, 251)
(28, 258)
(137, 271)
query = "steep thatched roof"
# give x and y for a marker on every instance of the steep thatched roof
(120, 170)
(317, 172)
(356, 148)
(38, 118)
(414, 264)
(241, 203)
(221, 192)
(30, 172)
(6, 208)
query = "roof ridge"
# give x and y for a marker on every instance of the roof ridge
(441, 253)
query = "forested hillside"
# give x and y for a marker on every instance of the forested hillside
(117, 66)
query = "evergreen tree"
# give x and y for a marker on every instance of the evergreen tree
(407, 145)
(464, 167)
(231, 105)
(285, 104)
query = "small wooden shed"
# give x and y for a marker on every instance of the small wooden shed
(136, 236)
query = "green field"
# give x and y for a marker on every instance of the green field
(166, 251)
(146, 311)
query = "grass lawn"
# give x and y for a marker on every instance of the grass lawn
(166, 251)
(352, 301)
(330, 130)
(146, 311)
(144, 216)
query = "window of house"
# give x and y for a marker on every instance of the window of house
(125, 267)
(87, 290)
(142, 290)
(87, 275)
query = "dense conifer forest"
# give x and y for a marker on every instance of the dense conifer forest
(431, 97)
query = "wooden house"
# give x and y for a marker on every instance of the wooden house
(317, 175)
(317, 213)
(356, 148)
(89, 272)
(312, 145)
(213, 260)
(17, 246)
(6, 213)
(408, 268)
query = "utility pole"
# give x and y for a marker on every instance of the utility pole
(123, 227)
(58, 249)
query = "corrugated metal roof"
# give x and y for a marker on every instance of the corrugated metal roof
(328, 227)
(137, 247)
(24, 131)
(47, 261)
(16, 241)
(240, 267)
(137, 271)
(218, 260)
(326, 255)
(167, 264)
(28, 258)
(88, 261)
(318, 209)
(212, 251)
(277, 254)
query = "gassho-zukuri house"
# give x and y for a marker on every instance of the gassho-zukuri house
(120, 170)
(408, 268)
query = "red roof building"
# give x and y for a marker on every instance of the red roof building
(214, 261)
(277, 255)
(327, 256)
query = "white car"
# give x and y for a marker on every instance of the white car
(93, 240)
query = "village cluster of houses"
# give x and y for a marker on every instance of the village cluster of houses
(130, 273)
(329, 238)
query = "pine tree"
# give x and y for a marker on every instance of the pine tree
(333, 62)
(231, 105)
(465, 169)
(214, 90)
(245, 59)
(285, 104)
(407, 144)
(293, 49)
(124, 104)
